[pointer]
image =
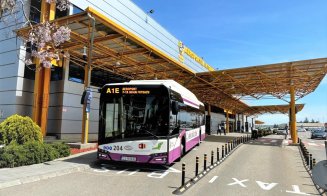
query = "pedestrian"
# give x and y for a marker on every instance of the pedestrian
(219, 129)
(286, 130)
(224, 129)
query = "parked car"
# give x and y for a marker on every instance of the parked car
(301, 130)
(281, 131)
(320, 133)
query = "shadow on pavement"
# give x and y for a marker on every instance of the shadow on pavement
(88, 158)
(219, 138)
(266, 142)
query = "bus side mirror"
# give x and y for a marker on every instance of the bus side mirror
(174, 108)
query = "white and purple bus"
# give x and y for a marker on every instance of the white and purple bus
(149, 121)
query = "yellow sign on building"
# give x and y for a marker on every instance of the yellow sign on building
(183, 49)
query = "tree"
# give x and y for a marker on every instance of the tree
(306, 120)
(312, 121)
(44, 39)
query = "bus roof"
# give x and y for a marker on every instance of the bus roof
(188, 97)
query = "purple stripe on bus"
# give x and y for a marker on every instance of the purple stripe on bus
(188, 101)
(174, 154)
(190, 144)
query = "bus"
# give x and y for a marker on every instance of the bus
(148, 121)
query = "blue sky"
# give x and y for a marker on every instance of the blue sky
(232, 34)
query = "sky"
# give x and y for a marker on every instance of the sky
(232, 34)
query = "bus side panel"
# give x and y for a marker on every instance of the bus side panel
(203, 132)
(174, 149)
(192, 138)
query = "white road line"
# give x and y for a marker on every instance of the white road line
(213, 179)
(122, 171)
(296, 190)
(133, 172)
(312, 144)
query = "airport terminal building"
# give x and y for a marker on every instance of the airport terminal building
(65, 113)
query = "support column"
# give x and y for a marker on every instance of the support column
(87, 80)
(208, 121)
(293, 116)
(42, 77)
(227, 122)
(252, 125)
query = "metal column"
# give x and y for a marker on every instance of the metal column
(293, 116)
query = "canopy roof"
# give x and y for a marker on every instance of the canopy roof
(269, 80)
(124, 54)
(273, 109)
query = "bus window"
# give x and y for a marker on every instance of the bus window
(111, 120)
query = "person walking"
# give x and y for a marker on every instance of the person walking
(219, 129)
(286, 131)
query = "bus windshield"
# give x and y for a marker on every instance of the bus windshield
(130, 116)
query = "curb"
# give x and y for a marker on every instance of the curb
(306, 167)
(44, 176)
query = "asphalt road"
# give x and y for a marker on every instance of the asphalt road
(315, 146)
(264, 167)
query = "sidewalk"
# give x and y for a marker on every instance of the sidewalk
(31, 173)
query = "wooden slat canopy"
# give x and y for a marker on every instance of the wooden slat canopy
(140, 60)
(273, 109)
(268, 80)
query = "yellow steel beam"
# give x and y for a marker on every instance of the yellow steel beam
(293, 116)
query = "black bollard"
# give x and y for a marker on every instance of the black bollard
(231, 145)
(226, 149)
(310, 161)
(307, 157)
(205, 162)
(217, 154)
(196, 165)
(212, 157)
(313, 162)
(183, 174)
(228, 144)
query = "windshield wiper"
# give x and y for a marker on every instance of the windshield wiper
(143, 129)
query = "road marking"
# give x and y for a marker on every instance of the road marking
(122, 171)
(266, 186)
(163, 173)
(239, 182)
(133, 172)
(213, 179)
(312, 144)
(101, 170)
(296, 190)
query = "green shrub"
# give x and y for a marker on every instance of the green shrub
(62, 148)
(14, 155)
(19, 129)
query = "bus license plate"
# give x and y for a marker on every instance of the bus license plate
(128, 158)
